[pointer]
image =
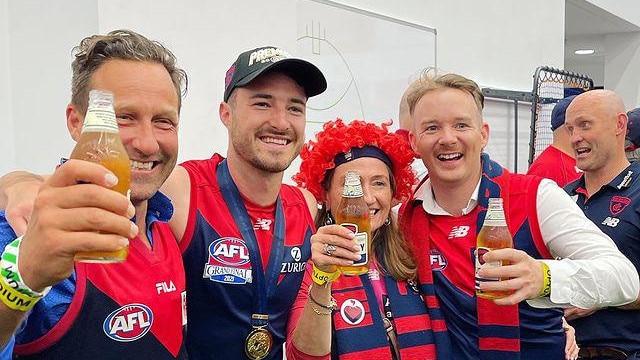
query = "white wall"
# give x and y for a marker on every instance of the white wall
(499, 44)
(622, 64)
(40, 36)
(622, 67)
(628, 10)
(7, 144)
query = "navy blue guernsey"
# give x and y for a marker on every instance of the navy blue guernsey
(129, 310)
(221, 275)
(615, 208)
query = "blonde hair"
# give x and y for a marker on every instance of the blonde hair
(430, 81)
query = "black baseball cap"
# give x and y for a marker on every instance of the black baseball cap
(250, 64)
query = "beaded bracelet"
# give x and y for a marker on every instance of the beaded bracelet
(317, 311)
(546, 278)
(333, 304)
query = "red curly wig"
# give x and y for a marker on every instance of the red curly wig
(336, 138)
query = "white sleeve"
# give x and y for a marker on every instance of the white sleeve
(589, 270)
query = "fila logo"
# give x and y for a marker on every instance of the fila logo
(164, 287)
(262, 224)
(611, 222)
(459, 231)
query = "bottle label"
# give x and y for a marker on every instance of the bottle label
(362, 239)
(494, 218)
(480, 251)
(100, 119)
(352, 191)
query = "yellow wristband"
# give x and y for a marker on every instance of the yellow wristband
(15, 299)
(546, 278)
(322, 277)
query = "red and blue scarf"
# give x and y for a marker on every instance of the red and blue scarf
(498, 326)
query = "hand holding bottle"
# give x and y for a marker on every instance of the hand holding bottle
(333, 246)
(75, 210)
(522, 279)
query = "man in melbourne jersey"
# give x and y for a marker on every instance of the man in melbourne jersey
(609, 194)
(448, 210)
(133, 309)
(556, 162)
(245, 235)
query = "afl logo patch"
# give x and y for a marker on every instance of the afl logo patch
(228, 262)
(438, 260)
(352, 311)
(229, 251)
(128, 323)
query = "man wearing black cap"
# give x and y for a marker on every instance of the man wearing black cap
(245, 235)
(556, 162)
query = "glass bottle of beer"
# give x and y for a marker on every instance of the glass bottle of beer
(493, 235)
(353, 213)
(100, 143)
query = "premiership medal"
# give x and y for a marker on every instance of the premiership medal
(258, 343)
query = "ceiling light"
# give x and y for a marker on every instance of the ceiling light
(585, 52)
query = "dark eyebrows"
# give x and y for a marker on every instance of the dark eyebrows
(269, 97)
(261, 96)
(299, 101)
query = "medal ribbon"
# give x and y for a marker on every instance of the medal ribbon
(264, 287)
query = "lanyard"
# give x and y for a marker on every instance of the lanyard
(265, 287)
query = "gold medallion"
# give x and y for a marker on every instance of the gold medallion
(258, 343)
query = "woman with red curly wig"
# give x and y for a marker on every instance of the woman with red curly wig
(379, 315)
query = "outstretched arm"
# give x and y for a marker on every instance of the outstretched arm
(74, 211)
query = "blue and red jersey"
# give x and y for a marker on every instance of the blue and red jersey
(615, 208)
(220, 274)
(536, 333)
(136, 308)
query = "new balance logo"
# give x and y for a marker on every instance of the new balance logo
(611, 222)
(458, 232)
(262, 224)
